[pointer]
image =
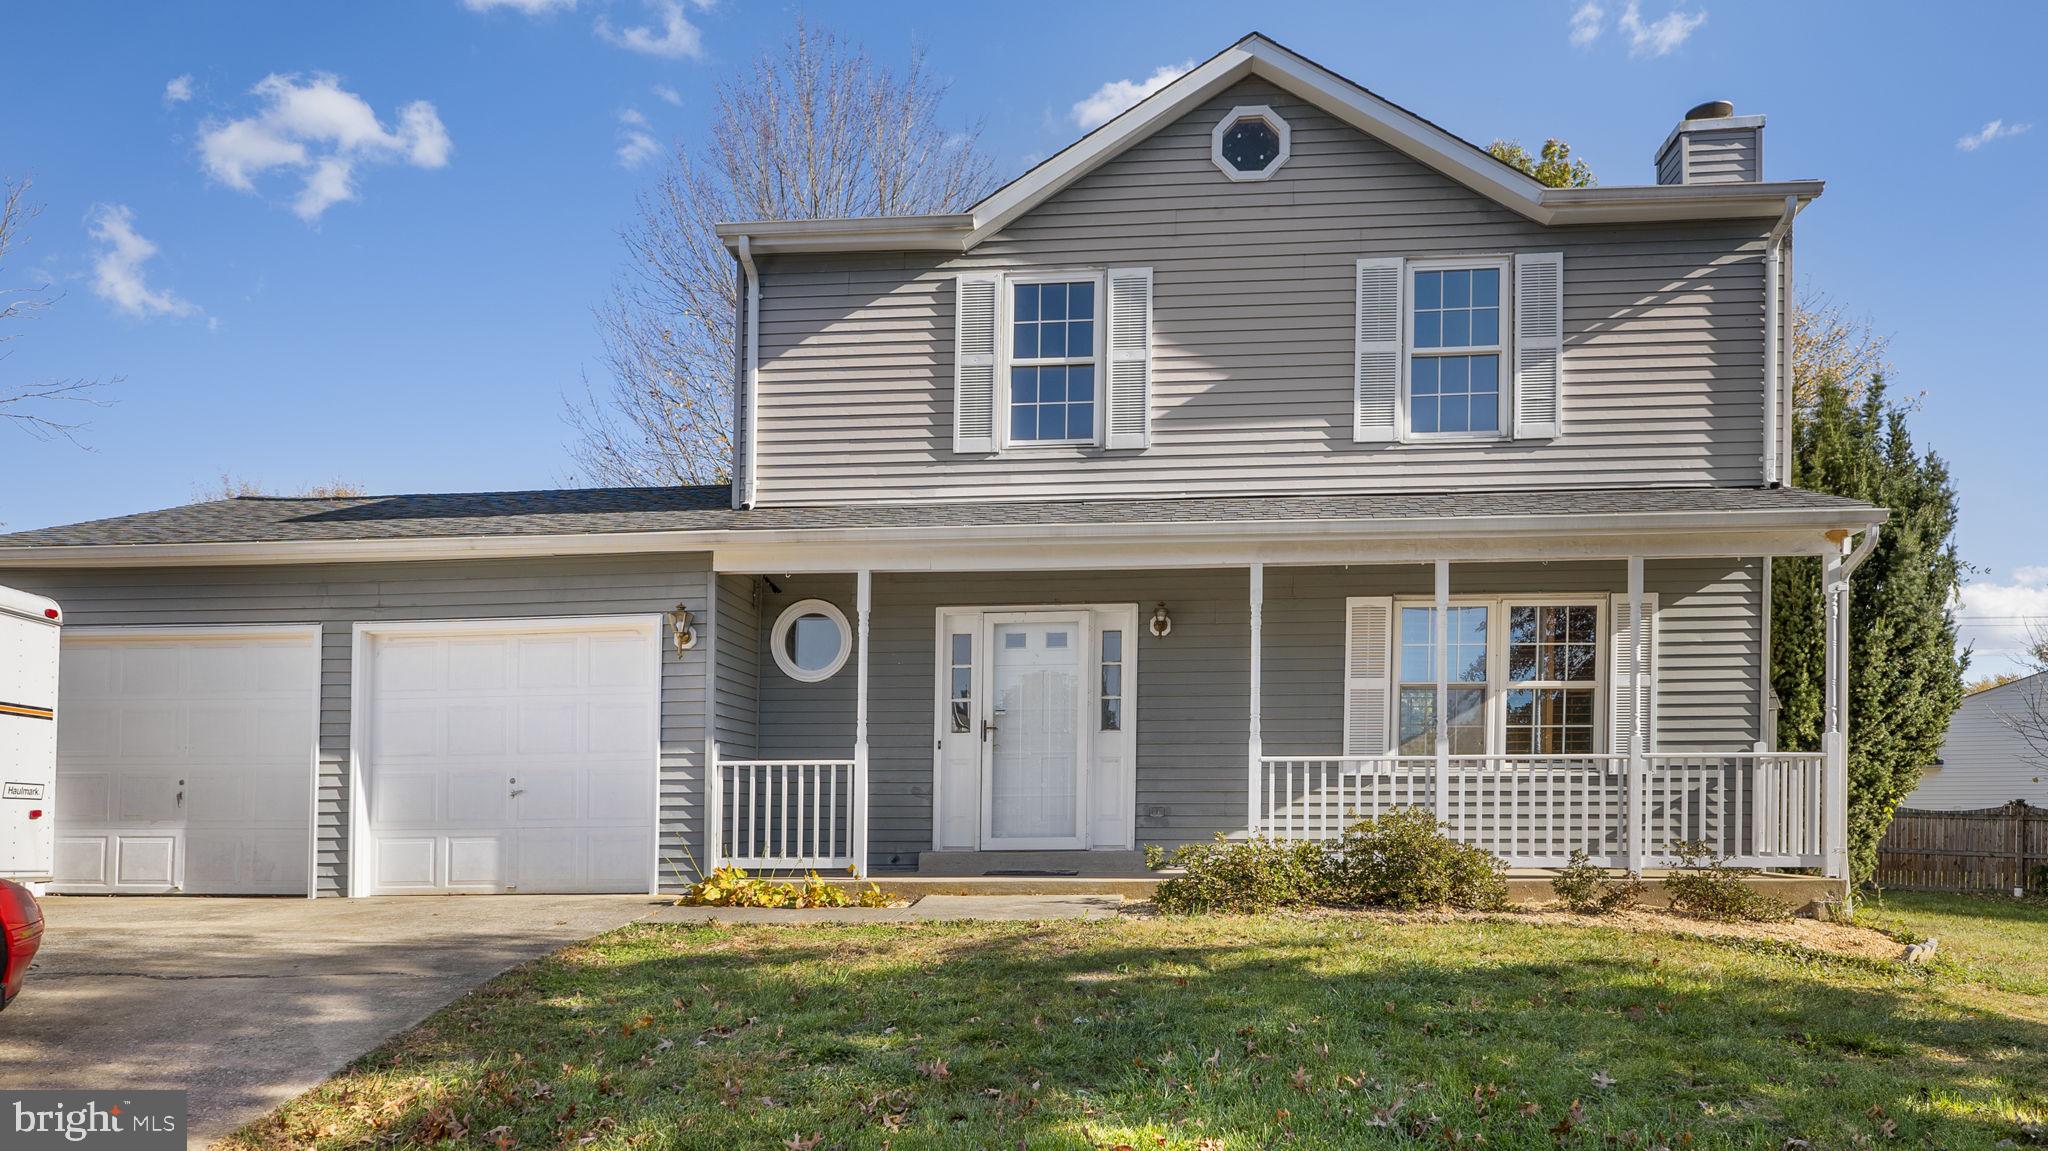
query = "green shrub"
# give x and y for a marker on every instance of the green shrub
(1587, 890)
(1239, 876)
(1702, 885)
(1402, 859)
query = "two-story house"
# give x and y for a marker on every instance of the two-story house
(1267, 457)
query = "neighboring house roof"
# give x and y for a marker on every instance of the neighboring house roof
(221, 525)
(1260, 56)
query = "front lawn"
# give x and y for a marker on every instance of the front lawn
(1311, 1031)
(1989, 939)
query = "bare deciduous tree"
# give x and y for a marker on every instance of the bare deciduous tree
(1830, 344)
(27, 404)
(230, 487)
(2028, 717)
(812, 130)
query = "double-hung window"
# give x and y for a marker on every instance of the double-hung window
(1552, 678)
(1466, 639)
(1054, 359)
(1455, 323)
(1523, 676)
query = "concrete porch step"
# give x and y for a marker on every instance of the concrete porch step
(1033, 864)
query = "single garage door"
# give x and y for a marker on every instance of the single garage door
(508, 757)
(185, 760)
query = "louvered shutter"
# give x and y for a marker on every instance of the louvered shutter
(1376, 370)
(1622, 724)
(1129, 417)
(1539, 345)
(974, 362)
(1368, 674)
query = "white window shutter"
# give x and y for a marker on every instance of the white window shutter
(1376, 370)
(1368, 675)
(975, 296)
(1539, 345)
(1622, 724)
(1129, 416)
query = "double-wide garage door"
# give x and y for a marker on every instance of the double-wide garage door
(508, 759)
(185, 760)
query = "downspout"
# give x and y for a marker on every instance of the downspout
(751, 385)
(1774, 246)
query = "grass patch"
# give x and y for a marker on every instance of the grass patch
(1994, 940)
(1329, 1030)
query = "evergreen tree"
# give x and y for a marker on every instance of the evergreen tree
(1905, 677)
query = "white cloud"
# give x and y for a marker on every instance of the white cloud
(1103, 104)
(323, 133)
(1662, 36)
(668, 95)
(179, 89)
(1992, 130)
(529, 7)
(117, 274)
(670, 36)
(1998, 620)
(637, 145)
(1586, 22)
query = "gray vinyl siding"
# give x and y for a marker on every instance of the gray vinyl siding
(1192, 699)
(1984, 762)
(737, 642)
(336, 596)
(1253, 345)
(1727, 156)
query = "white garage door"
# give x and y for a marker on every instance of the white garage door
(185, 760)
(509, 760)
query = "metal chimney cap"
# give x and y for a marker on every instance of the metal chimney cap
(1711, 110)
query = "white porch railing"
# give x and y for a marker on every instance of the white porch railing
(782, 814)
(1755, 809)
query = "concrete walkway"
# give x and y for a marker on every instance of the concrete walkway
(247, 1002)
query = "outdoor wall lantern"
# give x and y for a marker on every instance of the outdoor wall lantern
(679, 625)
(1162, 624)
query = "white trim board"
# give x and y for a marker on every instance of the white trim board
(364, 631)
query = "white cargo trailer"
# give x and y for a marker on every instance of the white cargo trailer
(29, 625)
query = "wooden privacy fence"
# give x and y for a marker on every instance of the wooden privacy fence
(2002, 849)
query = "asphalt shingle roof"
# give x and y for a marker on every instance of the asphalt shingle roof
(252, 519)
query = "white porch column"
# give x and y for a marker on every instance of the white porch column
(863, 597)
(1636, 830)
(1257, 748)
(1443, 690)
(1834, 838)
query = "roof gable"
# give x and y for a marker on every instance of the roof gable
(1256, 55)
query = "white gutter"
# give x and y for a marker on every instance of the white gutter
(745, 490)
(1774, 388)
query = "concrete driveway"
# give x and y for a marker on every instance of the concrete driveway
(247, 1002)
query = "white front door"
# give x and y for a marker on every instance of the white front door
(509, 756)
(1035, 774)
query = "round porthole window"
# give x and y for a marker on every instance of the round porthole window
(1250, 143)
(811, 640)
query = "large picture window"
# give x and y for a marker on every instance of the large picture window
(1455, 345)
(1053, 361)
(1522, 677)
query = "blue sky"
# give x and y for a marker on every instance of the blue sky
(403, 304)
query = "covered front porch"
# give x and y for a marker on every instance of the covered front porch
(986, 719)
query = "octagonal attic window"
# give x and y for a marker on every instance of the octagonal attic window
(1251, 143)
